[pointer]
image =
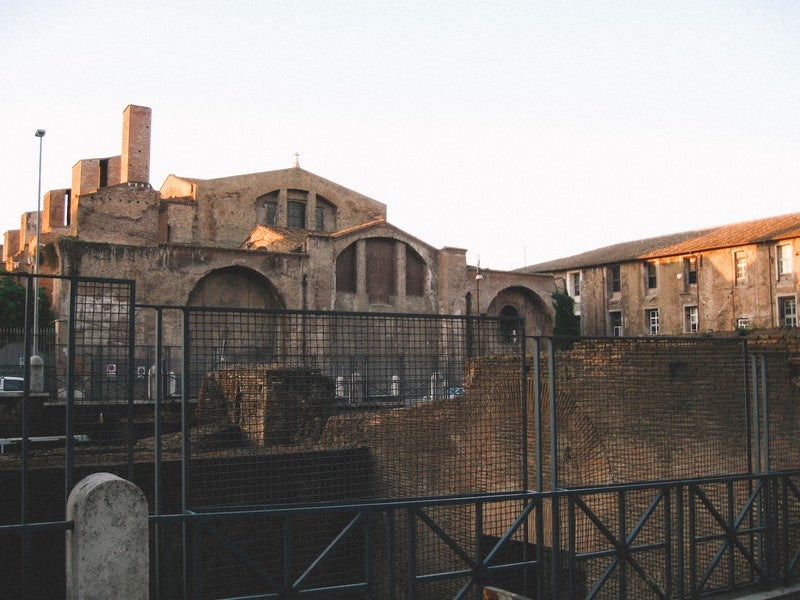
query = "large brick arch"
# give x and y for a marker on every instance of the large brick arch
(235, 287)
(527, 304)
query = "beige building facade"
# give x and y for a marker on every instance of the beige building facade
(720, 279)
(284, 238)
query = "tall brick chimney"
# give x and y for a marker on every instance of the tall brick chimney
(135, 165)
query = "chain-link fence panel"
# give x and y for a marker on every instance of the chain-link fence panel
(640, 409)
(295, 407)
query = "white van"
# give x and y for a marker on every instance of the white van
(11, 384)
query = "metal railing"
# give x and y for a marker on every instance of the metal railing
(296, 454)
(680, 539)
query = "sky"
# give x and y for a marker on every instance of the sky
(521, 131)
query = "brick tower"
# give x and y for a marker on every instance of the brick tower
(135, 164)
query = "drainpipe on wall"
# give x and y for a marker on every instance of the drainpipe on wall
(772, 299)
(698, 263)
(605, 305)
(733, 292)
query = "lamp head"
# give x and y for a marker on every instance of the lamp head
(40, 133)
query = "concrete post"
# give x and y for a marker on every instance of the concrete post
(37, 373)
(107, 549)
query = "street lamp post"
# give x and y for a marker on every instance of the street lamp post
(39, 134)
(478, 277)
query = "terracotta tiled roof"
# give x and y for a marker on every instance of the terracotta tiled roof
(769, 229)
(368, 224)
(276, 239)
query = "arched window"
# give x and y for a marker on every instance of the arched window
(415, 273)
(325, 215)
(509, 329)
(296, 208)
(267, 209)
(381, 273)
(346, 270)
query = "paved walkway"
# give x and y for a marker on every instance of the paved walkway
(787, 593)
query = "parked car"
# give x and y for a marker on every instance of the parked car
(11, 384)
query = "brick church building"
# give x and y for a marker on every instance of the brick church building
(285, 238)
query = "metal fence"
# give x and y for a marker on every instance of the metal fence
(296, 453)
(642, 409)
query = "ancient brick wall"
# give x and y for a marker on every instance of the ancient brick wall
(135, 163)
(270, 406)
(54, 211)
(122, 214)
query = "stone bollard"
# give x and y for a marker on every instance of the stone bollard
(37, 373)
(493, 593)
(107, 549)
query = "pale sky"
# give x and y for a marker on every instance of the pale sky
(521, 131)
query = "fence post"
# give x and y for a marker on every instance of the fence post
(107, 548)
(37, 373)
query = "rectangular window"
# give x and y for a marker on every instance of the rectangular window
(296, 208)
(690, 270)
(740, 262)
(272, 212)
(67, 201)
(296, 214)
(651, 320)
(574, 283)
(614, 279)
(103, 172)
(320, 218)
(691, 319)
(615, 322)
(784, 259)
(742, 323)
(650, 275)
(787, 311)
